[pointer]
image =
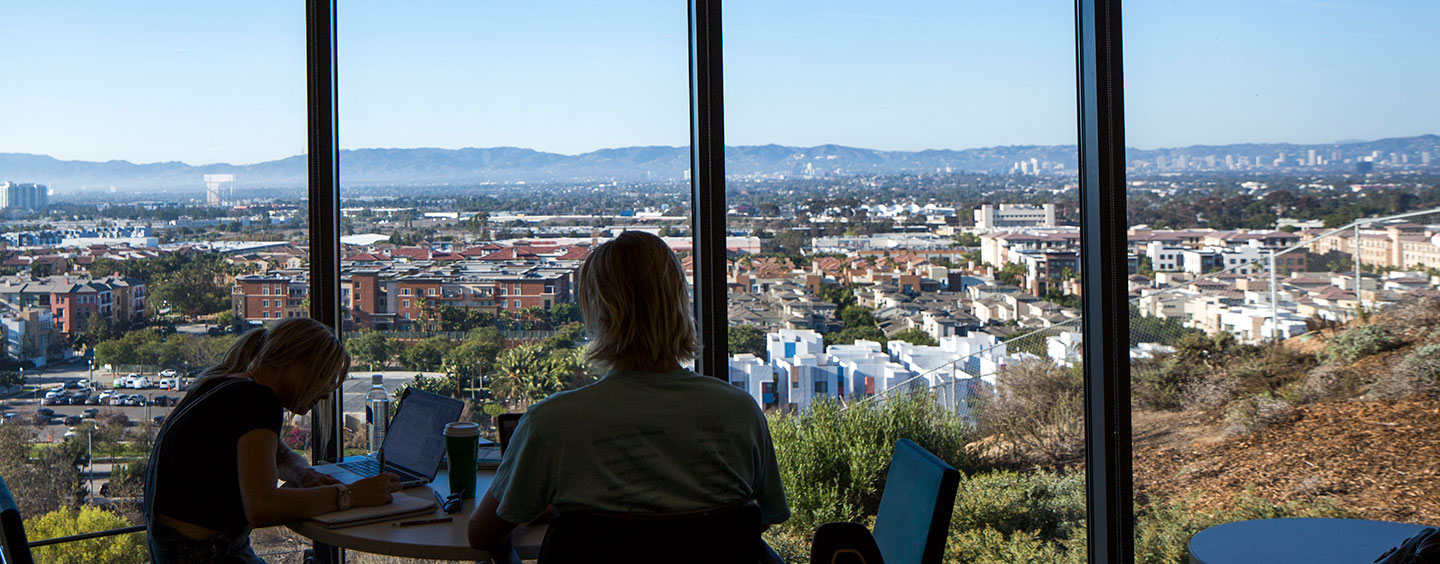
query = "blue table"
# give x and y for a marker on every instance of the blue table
(1301, 541)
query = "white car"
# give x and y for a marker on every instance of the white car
(105, 397)
(52, 394)
(140, 383)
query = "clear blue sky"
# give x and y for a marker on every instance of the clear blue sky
(205, 82)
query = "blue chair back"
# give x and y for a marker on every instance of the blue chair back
(16, 547)
(914, 517)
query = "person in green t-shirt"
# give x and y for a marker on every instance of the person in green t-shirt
(649, 437)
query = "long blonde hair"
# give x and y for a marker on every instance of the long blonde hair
(291, 341)
(635, 302)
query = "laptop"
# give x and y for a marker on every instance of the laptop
(414, 443)
(505, 425)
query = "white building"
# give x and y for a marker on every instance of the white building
(989, 217)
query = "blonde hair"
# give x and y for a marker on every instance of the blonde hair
(291, 341)
(636, 304)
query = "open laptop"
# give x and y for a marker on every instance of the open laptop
(414, 443)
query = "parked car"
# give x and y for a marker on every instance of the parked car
(117, 399)
(168, 383)
(53, 393)
(74, 385)
(161, 401)
(169, 373)
(106, 395)
(118, 382)
(72, 419)
(70, 433)
(140, 383)
(90, 413)
(159, 419)
(46, 412)
(92, 400)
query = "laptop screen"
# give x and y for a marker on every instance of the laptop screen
(505, 424)
(416, 437)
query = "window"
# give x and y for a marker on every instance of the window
(1273, 355)
(429, 291)
(404, 291)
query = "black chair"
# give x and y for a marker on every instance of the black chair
(13, 541)
(724, 534)
(912, 523)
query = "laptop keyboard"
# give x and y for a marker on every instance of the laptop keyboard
(370, 467)
(366, 467)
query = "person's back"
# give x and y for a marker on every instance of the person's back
(641, 442)
(651, 437)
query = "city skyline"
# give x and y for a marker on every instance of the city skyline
(226, 84)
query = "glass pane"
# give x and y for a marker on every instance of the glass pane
(152, 190)
(903, 237)
(1271, 376)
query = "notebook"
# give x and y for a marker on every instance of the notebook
(400, 505)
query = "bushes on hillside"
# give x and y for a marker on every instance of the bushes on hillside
(1037, 410)
(833, 459)
(1418, 373)
(1360, 342)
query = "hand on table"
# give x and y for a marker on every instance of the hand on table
(374, 490)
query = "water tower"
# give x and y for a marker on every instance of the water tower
(216, 192)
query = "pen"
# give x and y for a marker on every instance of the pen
(423, 522)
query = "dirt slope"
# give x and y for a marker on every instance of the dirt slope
(1380, 460)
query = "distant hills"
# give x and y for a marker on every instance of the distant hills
(470, 166)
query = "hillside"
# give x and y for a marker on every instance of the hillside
(1349, 417)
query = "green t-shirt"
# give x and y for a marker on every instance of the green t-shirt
(641, 442)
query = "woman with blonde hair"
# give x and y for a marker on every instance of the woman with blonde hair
(649, 437)
(217, 459)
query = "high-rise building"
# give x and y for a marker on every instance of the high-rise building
(1310, 158)
(1425, 158)
(28, 197)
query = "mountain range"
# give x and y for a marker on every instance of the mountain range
(472, 166)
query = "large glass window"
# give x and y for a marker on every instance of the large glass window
(153, 204)
(903, 258)
(1283, 203)
(485, 149)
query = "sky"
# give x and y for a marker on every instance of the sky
(204, 82)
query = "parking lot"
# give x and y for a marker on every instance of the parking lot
(25, 408)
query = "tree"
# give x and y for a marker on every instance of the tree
(225, 318)
(119, 549)
(370, 349)
(746, 339)
(561, 314)
(856, 316)
(426, 354)
(916, 336)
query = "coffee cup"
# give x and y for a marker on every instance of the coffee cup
(461, 438)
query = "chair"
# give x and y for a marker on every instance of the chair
(13, 543)
(723, 534)
(912, 523)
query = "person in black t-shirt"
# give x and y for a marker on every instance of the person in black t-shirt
(212, 475)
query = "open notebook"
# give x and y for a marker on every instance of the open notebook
(400, 505)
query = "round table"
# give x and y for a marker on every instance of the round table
(1298, 540)
(440, 541)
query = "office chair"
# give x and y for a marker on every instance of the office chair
(724, 534)
(13, 541)
(912, 523)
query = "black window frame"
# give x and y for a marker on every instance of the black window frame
(1105, 323)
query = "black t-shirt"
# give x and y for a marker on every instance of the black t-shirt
(197, 479)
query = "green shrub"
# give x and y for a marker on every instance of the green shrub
(1418, 373)
(833, 459)
(1156, 387)
(1251, 413)
(1360, 342)
(1006, 516)
(1037, 410)
(1163, 530)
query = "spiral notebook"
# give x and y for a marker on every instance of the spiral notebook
(401, 505)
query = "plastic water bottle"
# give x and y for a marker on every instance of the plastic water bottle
(377, 413)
